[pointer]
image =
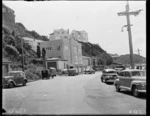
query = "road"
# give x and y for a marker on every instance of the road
(82, 94)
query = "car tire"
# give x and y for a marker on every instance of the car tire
(24, 83)
(11, 85)
(117, 88)
(135, 91)
(102, 80)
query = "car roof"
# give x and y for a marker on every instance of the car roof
(107, 70)
(15, 71)
(131, 70)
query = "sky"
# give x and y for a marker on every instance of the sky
(98, 18)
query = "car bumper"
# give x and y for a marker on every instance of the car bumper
(110, 80)
(142, 91)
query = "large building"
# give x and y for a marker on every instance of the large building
(59, 34)
(33, 42)
(64, 34)
(80, 35)
(68, 50)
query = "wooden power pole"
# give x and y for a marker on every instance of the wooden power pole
(127, 14)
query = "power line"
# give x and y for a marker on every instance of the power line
(128, 26)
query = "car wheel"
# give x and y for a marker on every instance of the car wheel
(117, 88)
(135, 91)
(102, 80)
(24, 83)
(11, 85)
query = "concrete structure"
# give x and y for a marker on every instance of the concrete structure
(56, 63)
(6, 66)
(114, 56)
(65, 49)
(33, 42)
(87, 61)
(80, 35)
(8, 15)
(59, 34)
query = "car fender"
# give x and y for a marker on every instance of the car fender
(117, 81)
(136, 82)
(10, 80)
(26, 80)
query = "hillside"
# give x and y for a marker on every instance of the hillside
(20, 29)
(94, 50)
(125, 59)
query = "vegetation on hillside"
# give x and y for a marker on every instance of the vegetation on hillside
(20, 29)
(12, 49)
(125, 59)
(94, 50)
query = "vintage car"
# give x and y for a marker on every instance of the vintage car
(14, 78)
(108, 75)
(64, 71)
(89, 71)
(133, 80)
(52, 71)
(72, 72)
(45, 74)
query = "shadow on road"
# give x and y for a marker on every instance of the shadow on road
(141, 96)
(15, 87)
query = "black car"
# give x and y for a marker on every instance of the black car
(45, 74)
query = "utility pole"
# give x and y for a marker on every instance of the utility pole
(22, 54)
(139, 55)
(139, 52)
(127, 14)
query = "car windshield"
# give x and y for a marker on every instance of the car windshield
(138, 73)
(88, 68)
(110, 72)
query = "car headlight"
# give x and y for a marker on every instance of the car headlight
(107, 77)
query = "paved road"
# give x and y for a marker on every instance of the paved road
(82, 94)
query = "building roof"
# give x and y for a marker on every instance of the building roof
(130, 70)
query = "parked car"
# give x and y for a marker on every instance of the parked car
(14, 78)
(133, 80)
(120, 67)
(45, 74)
(72, 72)
(108, 75)
(52, 72)
(89, 71)
(64, 71)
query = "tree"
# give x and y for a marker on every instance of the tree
(11, 51)
(43, 52)
(38, 51)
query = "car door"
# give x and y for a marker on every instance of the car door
(122, 78)
(128, 79)
(16, 78)
(20, 78)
